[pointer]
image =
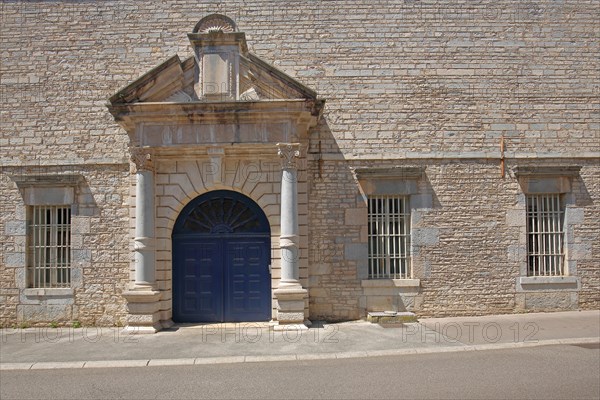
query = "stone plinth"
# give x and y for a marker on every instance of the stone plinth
(290, 307)
(143, 311)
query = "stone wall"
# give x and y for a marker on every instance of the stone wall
(100, 251)
(418, 83)
(399, 77)
(468, 245)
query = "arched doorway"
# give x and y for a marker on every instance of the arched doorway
(221, 258)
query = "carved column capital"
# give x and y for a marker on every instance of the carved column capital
(288, 152)
(142, 159)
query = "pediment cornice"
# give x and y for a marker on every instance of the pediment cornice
(223, 95)
(298, 111)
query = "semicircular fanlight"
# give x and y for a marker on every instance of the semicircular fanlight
(222, 216)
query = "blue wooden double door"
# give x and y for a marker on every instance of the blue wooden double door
(222, 280)
(221, 257)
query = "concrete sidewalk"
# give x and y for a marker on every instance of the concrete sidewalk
(46, 348)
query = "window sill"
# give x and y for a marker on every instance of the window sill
(48, 292)
(545, 283)
(381, 283)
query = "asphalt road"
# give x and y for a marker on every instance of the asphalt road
(546, 372)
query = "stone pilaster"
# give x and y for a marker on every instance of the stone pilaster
(290, 294)
(142, 298)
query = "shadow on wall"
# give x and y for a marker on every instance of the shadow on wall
(333, 228)
(340, 283)
(582, 195)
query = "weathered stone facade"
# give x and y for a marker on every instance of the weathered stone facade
(463, 93)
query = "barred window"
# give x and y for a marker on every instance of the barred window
(49, 236)
(389, 237)
(545, 235)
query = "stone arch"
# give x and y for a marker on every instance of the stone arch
(181, 181)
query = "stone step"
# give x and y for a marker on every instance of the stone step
(391, 317)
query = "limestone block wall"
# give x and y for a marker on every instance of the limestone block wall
(468, 245)
(400, 77)
(338, 237)
(586, 233)
(434, 83)
(100, 251)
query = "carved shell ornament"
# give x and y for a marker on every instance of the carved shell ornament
(218, 28)
(215, 23)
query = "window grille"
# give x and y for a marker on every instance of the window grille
(50, 247)
(389, 237)
(545, 235)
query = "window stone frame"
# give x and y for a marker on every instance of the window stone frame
(411, 181)
(48, 190)
(400, 181)
(546, 180)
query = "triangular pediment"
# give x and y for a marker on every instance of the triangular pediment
(221, 95)
(269, 83)
(165, 81)
(173, 81)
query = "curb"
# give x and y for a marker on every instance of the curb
(287, 357)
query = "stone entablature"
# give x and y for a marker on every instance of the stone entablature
(199, 125)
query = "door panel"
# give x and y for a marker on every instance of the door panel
(199, 283)
(221, 279)
(221, 256)
(247, 280)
